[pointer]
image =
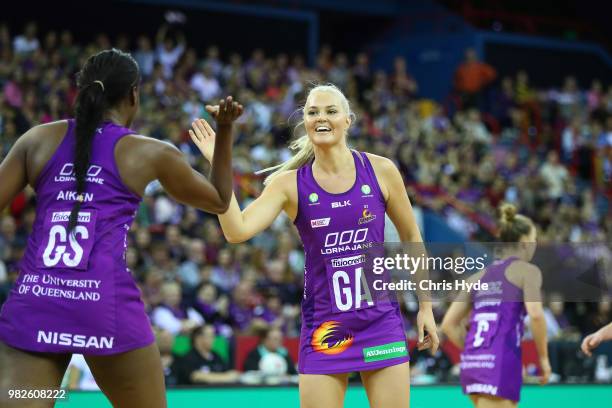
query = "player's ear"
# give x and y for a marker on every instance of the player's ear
(134, 96)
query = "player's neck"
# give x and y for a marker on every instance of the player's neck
(333, 160)
(118, 118)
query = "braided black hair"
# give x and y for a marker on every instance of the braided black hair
(106, 78)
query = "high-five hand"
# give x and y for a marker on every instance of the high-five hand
(226, 112)
(204, 138)
(203, 134)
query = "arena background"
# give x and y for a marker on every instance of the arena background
(544, 85)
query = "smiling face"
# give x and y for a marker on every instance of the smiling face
(326, 118)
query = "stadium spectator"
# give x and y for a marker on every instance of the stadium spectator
(471, 77)
(202, 365)
(79, 375)
(270, 357)
(189, 270)
(554, 175)
(144, 56)
(171, 315)
(165, 342)
(214, 308)
(169, 52)
(241, 308)
(27, 42)
(225, 275)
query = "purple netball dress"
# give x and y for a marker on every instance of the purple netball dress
(345, 327)
(74, 293)
(491, 360)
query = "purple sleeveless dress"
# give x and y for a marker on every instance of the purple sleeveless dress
(491, 360)
(74, 293)
(344, 327)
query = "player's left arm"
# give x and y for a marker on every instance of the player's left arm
(400, 211)
(13, 170)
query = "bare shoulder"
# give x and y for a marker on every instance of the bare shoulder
(285, 177)
(51, 133)
(527, 270)
(147, 141)
(56, 126)
(285, 182)
(525, 267)
(521, 272)
(144, 147)
(39, 144)
(381, 162)
(386, 173)
(285, 186)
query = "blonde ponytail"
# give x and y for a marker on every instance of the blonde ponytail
(302, 144)
(512, 225)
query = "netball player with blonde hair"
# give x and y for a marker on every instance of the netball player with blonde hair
(337, 199)
(491, 367)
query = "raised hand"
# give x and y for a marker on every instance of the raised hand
(226, 112)
(204, 138)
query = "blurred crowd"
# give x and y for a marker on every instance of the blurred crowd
(493, 139)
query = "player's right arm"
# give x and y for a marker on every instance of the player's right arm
(239, 226)
(147, 159)
(185, 184)
(453, 324)
(532, 284)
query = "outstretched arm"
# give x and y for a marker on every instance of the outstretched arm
(188, 186)
(239, 226)
(221, 173)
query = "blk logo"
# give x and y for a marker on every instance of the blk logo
(340, 204)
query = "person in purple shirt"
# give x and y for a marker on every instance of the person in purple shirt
(491, 366)
(74, 293)
(337, 199)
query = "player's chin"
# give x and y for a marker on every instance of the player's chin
(324, 139)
